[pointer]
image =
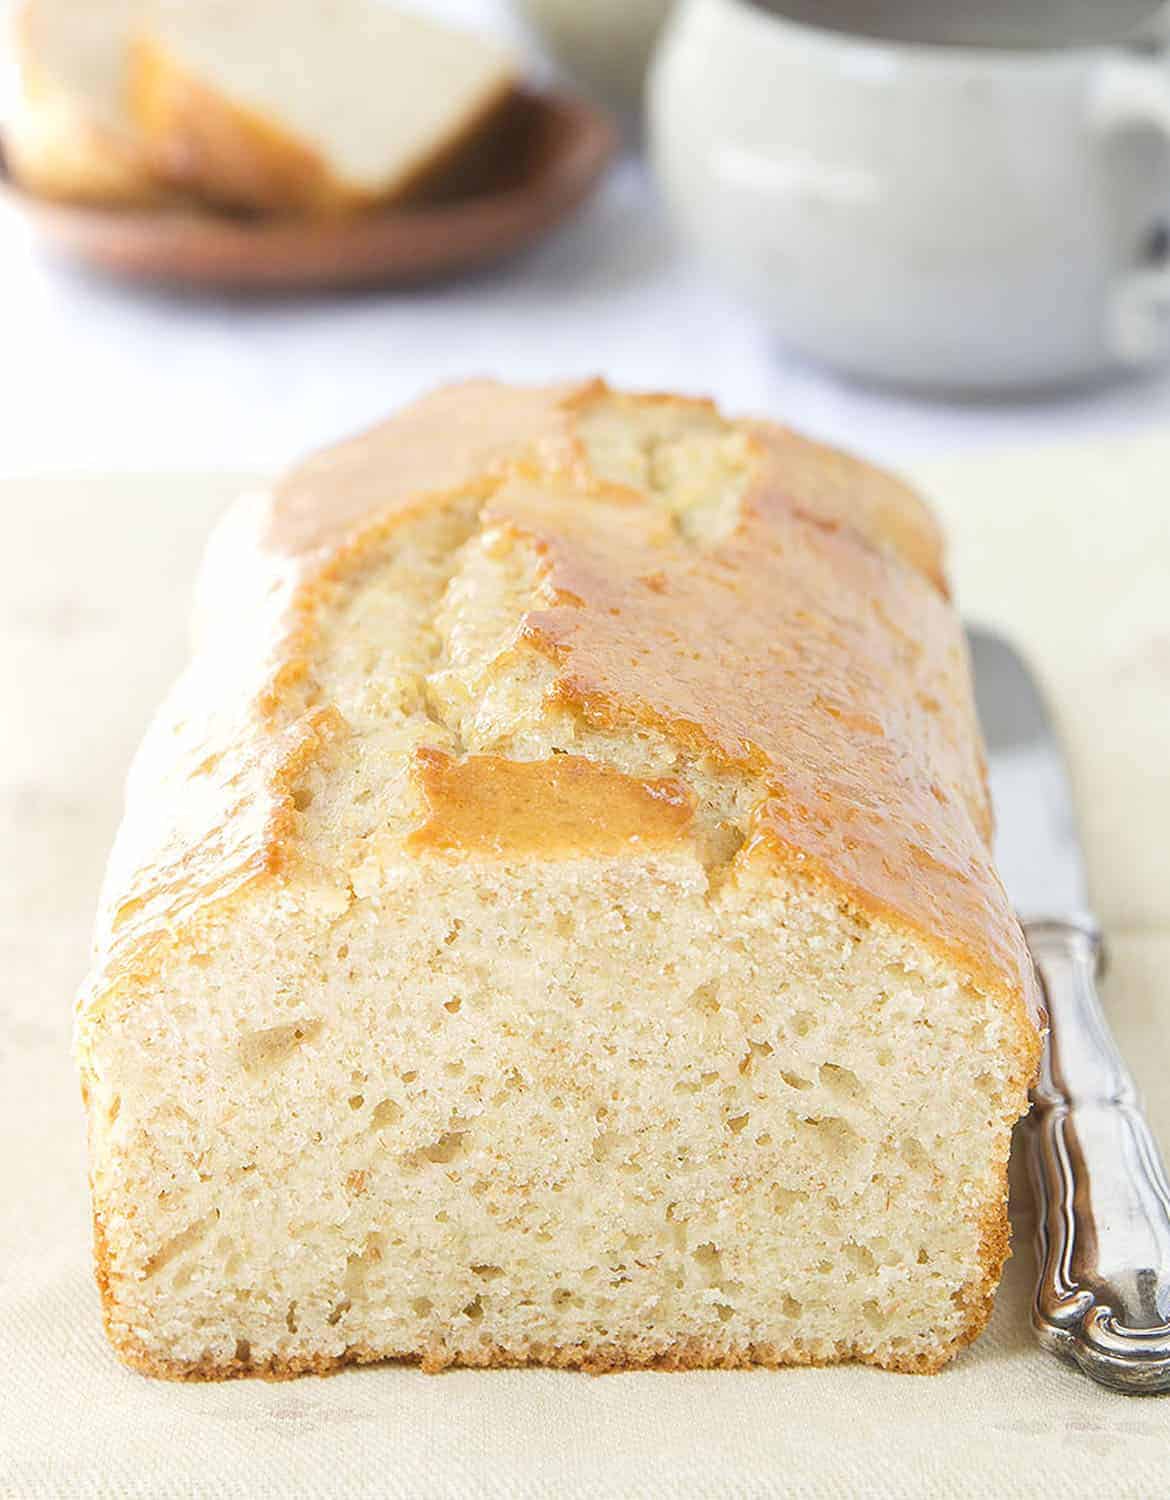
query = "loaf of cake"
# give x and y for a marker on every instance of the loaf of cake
(553, 920)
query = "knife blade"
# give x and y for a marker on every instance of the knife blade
(1103, 1200)
(1037, 850)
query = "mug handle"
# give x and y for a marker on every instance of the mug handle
(1133, 93)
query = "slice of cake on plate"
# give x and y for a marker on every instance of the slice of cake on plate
(316, 105)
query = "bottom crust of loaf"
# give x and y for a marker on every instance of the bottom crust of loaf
(588, 1359)
(601, 1359)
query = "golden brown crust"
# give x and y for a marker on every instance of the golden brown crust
(474, 430)
(823, 484)
(806, 647)
(977, 1298)
(834, 488)
(342, 498)
(249, 833)
(588, 1359)
(567, 806)
(791, 652)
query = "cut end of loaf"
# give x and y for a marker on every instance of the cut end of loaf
(725, 1160)
(568, 936)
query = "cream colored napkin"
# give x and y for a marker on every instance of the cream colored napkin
(1071, 551)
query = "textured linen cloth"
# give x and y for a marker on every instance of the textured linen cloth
(1070, 551)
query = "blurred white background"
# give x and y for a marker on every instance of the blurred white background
(101, 376)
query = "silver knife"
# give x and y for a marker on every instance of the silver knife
(1102, 1196)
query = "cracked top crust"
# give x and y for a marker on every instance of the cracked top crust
(741, 608)
(560, 807)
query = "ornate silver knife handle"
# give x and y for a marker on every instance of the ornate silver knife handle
(1102, 1196)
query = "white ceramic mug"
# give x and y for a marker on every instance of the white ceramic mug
(604, 43)
(953, 212)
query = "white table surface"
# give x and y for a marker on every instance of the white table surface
(100, 376)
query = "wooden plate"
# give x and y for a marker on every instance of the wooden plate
(554, 150)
